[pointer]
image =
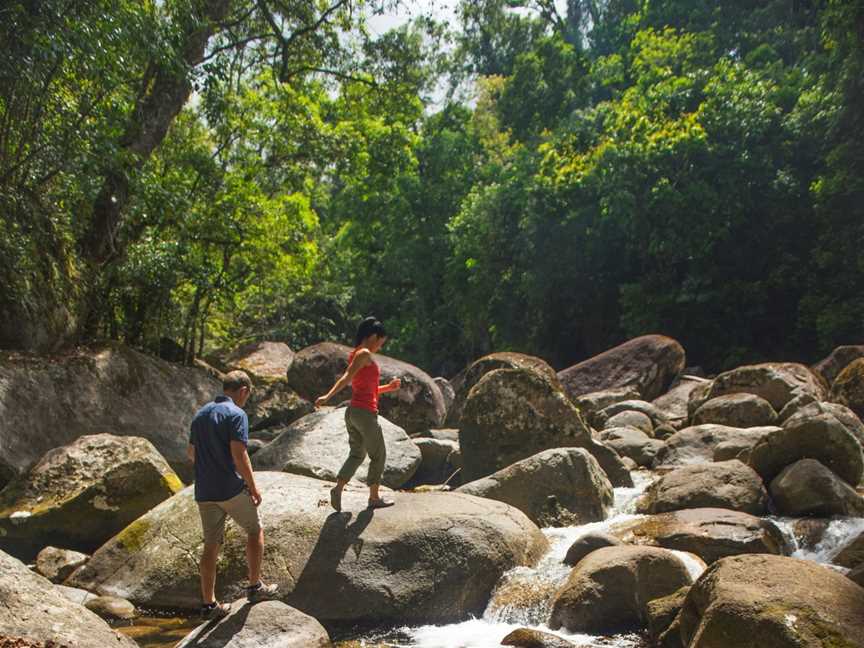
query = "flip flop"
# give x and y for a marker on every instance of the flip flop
(336, 499)
(380, 503)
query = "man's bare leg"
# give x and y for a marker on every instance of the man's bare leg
(208, 572)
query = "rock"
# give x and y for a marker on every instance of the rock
(631, 419)
(447, 391)
(491, 362)
(57, 564)
(736, 448)
(699, 395)
(697, 444)
(35, 609)
(856, 575)
(317, 446)
(629, 464)
(512, 414)
(809, 488)
(590, 404)
(263, 361)
(837, 361)
(710, 533)
(125, 392)
(776, 382)
(851, 554)
(444, 434)
(728, 484)
(795, 405)
(269, 624)
(75, 594)
(274, 404)
(587, 543)
(527, 638)
(843, 414)
(612, 464)
(674, 402)
(81, 494)
(433, 558)
(647, 363)
(772, 602)
(809, 532)
(609, 589)
(736, 410)
(822, 437)
(662, 612)
(111, 607)
(435, 464)
(416, 406)
(663, 432)
(254, 445)
(632, 443)
(558, 487)
(655, 416)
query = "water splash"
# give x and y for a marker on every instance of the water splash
(840, 532)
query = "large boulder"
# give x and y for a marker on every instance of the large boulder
(558, 487)
(585, 544)
(846, 416)
(848, 387)
(416, 406)
(36, 611)
(662, 612)
(648, 363)
(736, 410)
(776, 382)
(479, 368)
(434, 557)
(727, 484)
(512, 414)
(263, 361)
(615, 466)
(697, 444)
(772, 602)
(608, 590)
(633, 443)
(838, 360)
(81, 494)
(269, 624)
(674, 402)
(274, 403)
(851, 554)
(822, 437)
(49, 401)
(710, 533)
(317, 446)
(808, 488)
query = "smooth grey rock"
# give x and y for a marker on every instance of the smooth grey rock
(632, 419)
(736, 410)
(111, 607)
(263, 360)
(809, 488)
(436, 465)
(776, 382)
(696, 444)
(632, 443)
(587, 543)
(57, 564)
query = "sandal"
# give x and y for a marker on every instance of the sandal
(215, 610)
(380, 503)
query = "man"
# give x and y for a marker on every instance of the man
(225, 487)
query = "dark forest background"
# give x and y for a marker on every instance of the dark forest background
(210, 172)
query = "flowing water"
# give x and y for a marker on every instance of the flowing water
(524, 596)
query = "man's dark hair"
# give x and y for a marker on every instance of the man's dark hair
(369, 326)
(234, 380)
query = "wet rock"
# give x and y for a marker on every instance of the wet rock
(809, 488)
(662, 612)
(558, 487)
(851, 555)
(81, 494)
(35, 609)
(697, 444)
(416, 406)
(728, 484)
(648, 363)
(57, 564)
(710, 533)
(736, 410)
(822, 437)
(632, 443)
(856, 575)
(512, 414)
(433, 558)
(270, 624)
(111, 607)
(776, 382)
(587, 543)
(317, 446)
(491, 362)
(126, 392)
(772, 602)
(263, 361)
(609, 589)
(527, 638)
(809, 532)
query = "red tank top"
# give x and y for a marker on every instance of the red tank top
(364, 386)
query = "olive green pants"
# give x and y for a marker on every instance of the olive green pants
(364, 437)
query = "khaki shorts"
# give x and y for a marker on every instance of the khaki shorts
(239, 508)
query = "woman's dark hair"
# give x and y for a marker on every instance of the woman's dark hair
(369, 326)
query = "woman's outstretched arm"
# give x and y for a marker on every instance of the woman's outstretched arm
(361, 359)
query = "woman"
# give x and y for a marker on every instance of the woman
(361, 417)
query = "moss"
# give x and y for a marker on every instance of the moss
(134, 536)
(172, 482)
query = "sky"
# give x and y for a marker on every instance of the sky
(408, 9)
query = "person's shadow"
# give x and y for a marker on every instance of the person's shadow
(217, 633)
